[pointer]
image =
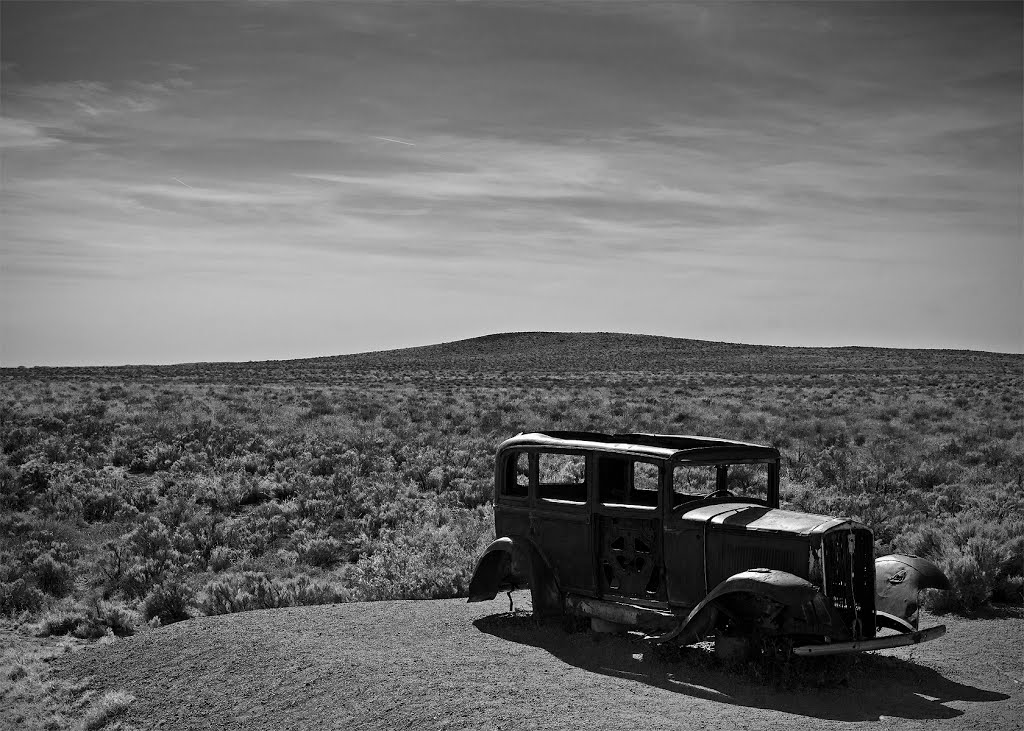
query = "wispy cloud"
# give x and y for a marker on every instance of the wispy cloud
(20, 134)
(479, 168)
(392, 139)
(92, 98)
(220, 196)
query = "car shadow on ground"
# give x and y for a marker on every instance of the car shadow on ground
(865, 687)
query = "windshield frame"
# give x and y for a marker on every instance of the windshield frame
(771, 498)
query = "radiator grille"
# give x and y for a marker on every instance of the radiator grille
(852, 591)
(741, 558)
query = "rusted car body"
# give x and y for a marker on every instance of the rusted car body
(682, 537)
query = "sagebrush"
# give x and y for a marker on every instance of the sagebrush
(223, 487)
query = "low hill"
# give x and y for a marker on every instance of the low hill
(448, 664)
(546, 351)
(568, 354)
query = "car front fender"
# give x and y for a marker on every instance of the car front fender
(774, 601)
(899, 580)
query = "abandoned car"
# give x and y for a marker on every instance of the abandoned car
(682, 537)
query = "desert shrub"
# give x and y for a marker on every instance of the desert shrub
(970, 587)
(20, 485)
(36, 568)
(928, 541)
(1009, 580)
(8, 484)
(87, 620)
(971, 580)
(100, 504)
(252, 492)
(19, 596)
(161, 456)
(117, 617)
(190, 463)
(429, 555)
(34, 476)
(255, 590)
(319, 405)
(1009, 588)
(221, 558)
(984, 562)
(321, 552)
(111, 704)
(169, 602)
(140, 559)
(53, 576)
(1000, 559)
(62, 621)
(472, 493)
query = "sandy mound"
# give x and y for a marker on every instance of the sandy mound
(448, 664)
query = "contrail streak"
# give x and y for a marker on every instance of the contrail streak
(183, 183)
(392, 139)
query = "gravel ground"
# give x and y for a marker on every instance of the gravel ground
(448, 664)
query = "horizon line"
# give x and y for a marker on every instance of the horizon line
(173, 364)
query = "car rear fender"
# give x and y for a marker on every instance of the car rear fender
(899, 581)
(775, 602)
(513, 562)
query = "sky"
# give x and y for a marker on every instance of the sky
(216, 181)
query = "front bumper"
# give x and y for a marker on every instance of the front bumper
(878, 643)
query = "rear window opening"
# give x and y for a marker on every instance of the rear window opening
(517, 475)
(562, 477)
(624, 482)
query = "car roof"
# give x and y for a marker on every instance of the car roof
(680, 447)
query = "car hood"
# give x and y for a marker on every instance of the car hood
(761, 518)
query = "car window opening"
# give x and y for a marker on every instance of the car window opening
(562, 477)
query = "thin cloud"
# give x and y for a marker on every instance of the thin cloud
(93, 98)
(265, 196)
(18, 134)
(392, 139)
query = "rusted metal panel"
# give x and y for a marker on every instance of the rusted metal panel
(565, 540)
(512, 521)
(756, 518)
(683, 543)
(729, 552)
(630, 560)
(899, 581)
(705, 513)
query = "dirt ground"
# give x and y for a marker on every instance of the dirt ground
(452, 665)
